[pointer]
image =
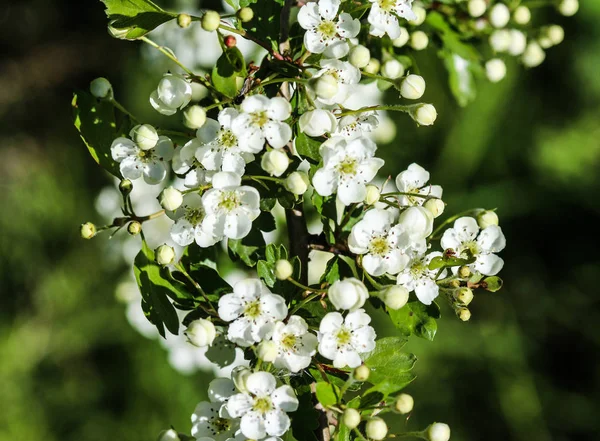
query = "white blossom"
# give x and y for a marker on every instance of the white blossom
(419, 278)
(317, 122)
(342, 340)
(466, 239)
(354, 126)
(383, 16)
(350, 294)
(230, 207)
(185, 164)
(135, 162)
(325, 34)
(210, 418)
(348, 165)
(173, 93)
(261, 119)
(346, 77)
(294, 343)
(253, 311)
(414, 180)
(190, 224)
(263, 407)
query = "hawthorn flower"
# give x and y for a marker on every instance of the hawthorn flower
(381, 243)
(343, 339)
(135, 162)
(219, 149)
(414, 180)
(419, 278)
(294, 343)
(345, 77)
(348, 165)
(185, 164)
(190, 223)
(354, 126)
(253, 311)
(383, 16)
(210, 418)
(263, 407)
(261, 120)
(230, 207)
(324, 34)
(467, 240)
(173, 93)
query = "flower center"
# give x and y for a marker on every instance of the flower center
(221, 424)
(145, 155)
(468, 249)
(252, 310)
(379, 246)
(227, 139)
(229, 201)
(343, 336)
(387, 5)
(288, 341)
(348, 166)
(262, 405)
(417, 269)
(260, 118)
(194, 215)
(327, 29)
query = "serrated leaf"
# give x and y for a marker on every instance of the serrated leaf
(371, 399)
(308, 147)
(415, 318)
(249, 249)
(266, 271)
(389, 366)
(133, 19)
(327, 393)
(230, 68)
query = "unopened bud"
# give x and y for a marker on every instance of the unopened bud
(325, 86)
(464, 296)
(424, 114)
(275, 162)
(134, 228)
(170, 199)
(245, 14)
(297, 182)
(283, 269)
(477, 8)
(201, 333)
(402, 38)
(522, 15)
(373, 66)
(101, 88)
(464, 314)
(438, 432)
(317, 122)
(211, 21)
(435, 206)
(229, 41)
(568, 7)
(351, 418)
(499, 15)
(88, 230)
(359, 56)
(267, 351)
(404, 404)
(500, 40)
(534, 55)
(487, 218)
(394, 296)
(361, 373)
(392, 69)
(412, 87)
(421, 14)
(495, 70)
(464, 272)
(165, 255)
(373, 195)
(184, 20)
(239, 375)
(518, 42)
(419, 40)
(168, 435)
(145, 136)
(125, 187)
(194, 117)
(556, 34)
(376, 429)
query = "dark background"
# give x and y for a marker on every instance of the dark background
(524, 368)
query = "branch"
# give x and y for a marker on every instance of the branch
(298, 234)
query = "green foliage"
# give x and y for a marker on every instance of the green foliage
(229, 72)
(492, 284)
(439, 262)
(237, 4)
(415, 318)
(390, 368)
(308, 147)
(133, 19)
(249, 250)
(266, 21)
(327, 393)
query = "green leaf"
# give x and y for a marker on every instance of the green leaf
(229, 72)
(415, 318)
(308, 148)
(492, 284)
(306, 419)
(133, 19)
(371, 399)
(447, 262)
(266, 271)
(237, 4)
(388, 387)
(327, 393)
(249, 249)
(389, 367)
(266, 22)
(95, 121)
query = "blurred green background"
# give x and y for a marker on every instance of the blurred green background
(526, 367)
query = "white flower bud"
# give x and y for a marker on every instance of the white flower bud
(359, 56)
(385, 132)
(373, 66)
(325, 86)
(361, 373)
(349, 294)
(534, 55)
(394, 296)
(438, 432)
(283, 269)
(194, 117)
(373, 194)
(404, 404)
(211, 21)
(412, 87)
(419, 40)
(487, 218)
(568, 7)
(464, 314)
(245, 14)
(297, 182)
(518, 42)
(477, 8)
(168, 435)
(125, 187)
(165, 255)
(376, 429)
(317, 122)
(101, 88)
(522, 15)
(351, 418)
(239, 375)
(402, 39)
(499, 15)
(134, 228)
(424, 114)
(464, 296)
(435, 206)
(145, 136)
(184, 21)
(500, 40)
(87, 230)
(421, 14)
(267, 351)
(464, 272)
(392, 69)
(201, 333)
(170, 199)
(495, 70)
(275, 162)
(556, 34)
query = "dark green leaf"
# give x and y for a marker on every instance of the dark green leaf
(308, 148)
(306, 419)
(134, 18)
(415, 318)
(249, 249)
(266, 271)
(371, 399)
(228, 73)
